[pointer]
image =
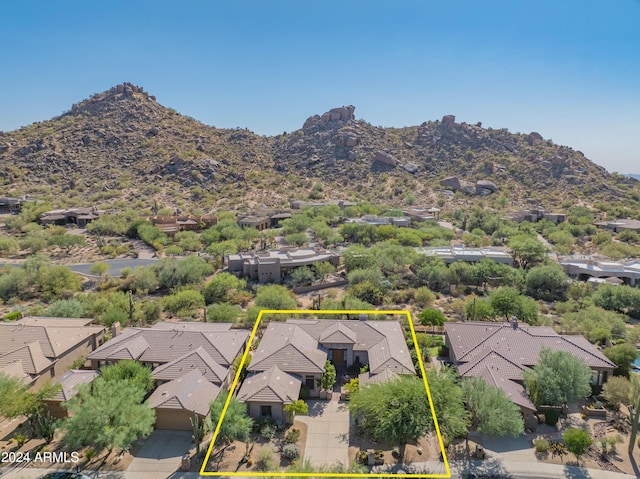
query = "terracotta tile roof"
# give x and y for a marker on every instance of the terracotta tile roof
(383, 340)
(272, 385)
(493, 361)
(471, 341)
(54, 336)
(191, 392)
(367, 378)
(192, 326)
(513, 390)
(53, 321)
(196, 359)
(70, 381)
(337, 333)
(164, 345)
(30, 356)
(290, 348)
(15, 369)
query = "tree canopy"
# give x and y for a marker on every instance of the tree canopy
(236, 424)
(558, 377)
(492, 411)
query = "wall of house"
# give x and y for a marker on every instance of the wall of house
(277, 410)
(348, 354)
(64, 362)
(55, 409)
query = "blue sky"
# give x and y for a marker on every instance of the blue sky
(567, 69)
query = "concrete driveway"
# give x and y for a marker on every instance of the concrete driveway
(160, 454)
(327, 432)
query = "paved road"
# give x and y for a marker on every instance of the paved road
(115, 265)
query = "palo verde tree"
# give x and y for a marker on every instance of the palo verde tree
(492, 412)
(236, 424)
(107, 414)
(297, 408)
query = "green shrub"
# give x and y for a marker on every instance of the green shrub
(551, 417)
(13, 316)
(541, 445)
(292, 436)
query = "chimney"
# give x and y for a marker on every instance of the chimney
(115, 329)
(514, 322)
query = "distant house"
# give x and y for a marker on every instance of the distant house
(533, 215)
(501, 352)
(422, 214)
(69, 383)
(596, 271)
(39, 349)
(275, 265)
(171, 225)
(455, 253)
(293, 354)
(12, 205)
(190, 362)
(400, 221)
(300, 204)
(620, 225)
(72, 216)
(263, 219)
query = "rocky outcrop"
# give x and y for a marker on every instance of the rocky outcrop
(334, 117)
(385, 158)
(451, 183)
(485, 187)
(448, 120)
(534, 136)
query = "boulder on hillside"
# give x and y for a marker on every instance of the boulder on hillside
(386, 158)
(411, 167)
(485, 185)
(534, 135)
(451, 183)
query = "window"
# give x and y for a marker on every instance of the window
(357, 360)
(265, 411)
(310, 382)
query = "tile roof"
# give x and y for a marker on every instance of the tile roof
(512, 389)
(196, 359)
(30, 356)
(191, 392)
(192, 326)
(471, 341)
(290, 348)
(70, 381)
(367, 378)
(55, 337)
(15, 369)
(164, 345)
(272, 385)
(383, 340)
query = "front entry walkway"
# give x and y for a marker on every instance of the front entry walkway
(327, 432)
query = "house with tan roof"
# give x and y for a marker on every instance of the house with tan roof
(72, 216)
(267, 393)
(300, 348)
(40, 349)
(176, 401)
(69, 383)
(191, 363)
(500, 353)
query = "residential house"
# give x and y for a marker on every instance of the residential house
(177, 401)
(455, 253)
(600, 270)
(399, 221)
(267, 393)
(533, 215)
(620, 225)
(422, 214)
(69, 383)
(263, 219)
(500, 353)
(170, 225)
(300, 348)
(191, 363)
(12, 205)
(300, 204)
(275, 265)
(39, 349)
(72, 216)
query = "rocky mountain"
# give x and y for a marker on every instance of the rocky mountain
(122, 145)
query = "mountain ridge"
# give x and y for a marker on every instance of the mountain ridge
(124, 140)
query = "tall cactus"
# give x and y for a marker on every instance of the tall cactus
(634, 410)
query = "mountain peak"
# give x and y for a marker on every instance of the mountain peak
(101, 101)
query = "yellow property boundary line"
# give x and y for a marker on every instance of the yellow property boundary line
(322, 474)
